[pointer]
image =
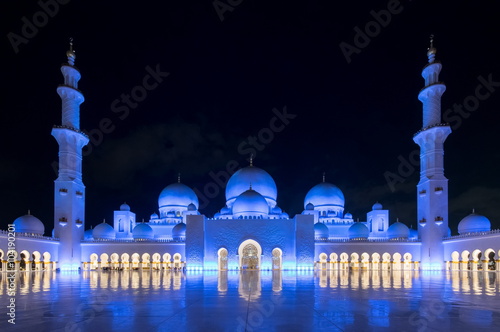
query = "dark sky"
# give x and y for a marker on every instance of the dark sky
(355, 121)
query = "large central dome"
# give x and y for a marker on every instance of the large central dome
(251, 177)
(177, 197)
(325, 195)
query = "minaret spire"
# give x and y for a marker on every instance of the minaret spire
(178, 177)
(69, 191)
(432, 189)
(251, 159)
(324, 175)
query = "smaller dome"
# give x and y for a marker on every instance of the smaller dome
(284, 215)
(309, 206)
(87, 235)
(225, 210)
(250, 203)
(276, 210)
(179, 232)
(358, 231)
(191, 207)
(377, 206)
(154, 216)
(143, 231)
(321, 231)
(103, 231)
(347, 216)
(474, 223)
(124, 207)
(29, 224)
(398, 230)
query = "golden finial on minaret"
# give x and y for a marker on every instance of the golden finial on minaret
(431, 51)
(324, 176)
(251, 159)
(71, 53)
(178, 177)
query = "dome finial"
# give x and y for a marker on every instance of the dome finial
(324, 176)
(397, 219)
(178, 177)
(71, 53)
(251, 159)
(104, 220)
(431, 51)
(29, 212)
(473, 211)
(251, 186)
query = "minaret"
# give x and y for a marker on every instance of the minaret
(69, 191)
(432, 189)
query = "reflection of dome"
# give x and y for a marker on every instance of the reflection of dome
(250, 204)
(474, 223)
(103, 231)
(143, 231)
(29, 224)
(179, 232)
(124, 207)
(398, 230)
(177, 196)
(87, 235)
(320, 231)
(377, 206)
(358, 230)
(324, 195)
(254, 177)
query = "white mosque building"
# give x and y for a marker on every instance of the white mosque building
(251, 231)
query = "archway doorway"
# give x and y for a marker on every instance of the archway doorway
(249, 253)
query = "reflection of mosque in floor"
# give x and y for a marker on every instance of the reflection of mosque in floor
(251, 232)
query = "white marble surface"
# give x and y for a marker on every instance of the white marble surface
(253, 301)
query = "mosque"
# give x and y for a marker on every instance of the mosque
(251, 231)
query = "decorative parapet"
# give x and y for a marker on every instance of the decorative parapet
(368, 240)
(31, 235)
(475, 234)
(432, 126)
(70, 128)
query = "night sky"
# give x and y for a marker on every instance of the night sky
(228, 68)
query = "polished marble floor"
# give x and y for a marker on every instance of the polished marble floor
(252, 301)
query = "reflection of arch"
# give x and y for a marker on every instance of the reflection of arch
(277, 258)
(249, 253)
(222, 258)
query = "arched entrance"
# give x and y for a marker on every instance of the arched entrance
(277, 258)
(249, 253)
(222, 258)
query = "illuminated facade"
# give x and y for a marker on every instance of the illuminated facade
(251, 231)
